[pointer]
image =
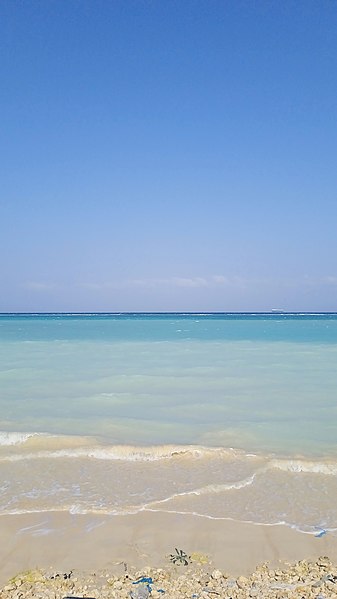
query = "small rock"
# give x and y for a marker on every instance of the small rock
(323, 561)
(184, 589)
(118, 585)
(242, 582)
(142, 592)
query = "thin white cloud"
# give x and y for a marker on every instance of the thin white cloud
(140, 283)
(319, 281)
(97, 286)
(220, 279)
(39, 286)
(168, 282)
(189, 282)
(331, 280)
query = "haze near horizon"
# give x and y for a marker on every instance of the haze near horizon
(168, 156)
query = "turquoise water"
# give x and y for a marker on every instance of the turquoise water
(262, 382)
(239, 411)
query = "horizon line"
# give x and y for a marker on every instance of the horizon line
(273, 312)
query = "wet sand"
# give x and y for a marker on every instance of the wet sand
(63, 542)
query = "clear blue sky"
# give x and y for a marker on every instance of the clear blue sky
(168, 155)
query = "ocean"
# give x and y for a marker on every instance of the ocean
(225, 416)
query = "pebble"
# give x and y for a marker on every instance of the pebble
(9, 587)
(242, 582)
(302, 580)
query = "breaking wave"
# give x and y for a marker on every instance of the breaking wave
(13, 438)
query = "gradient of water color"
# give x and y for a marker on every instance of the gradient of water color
(222, 415)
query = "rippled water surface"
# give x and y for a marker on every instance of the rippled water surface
(225, 416)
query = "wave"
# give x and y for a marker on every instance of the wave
(37, 445)
(215, 483)
(207, 490)
(72, 447)
(15, 438)
(42, 441)
(306, 466)
(75, 510)
(121, 453)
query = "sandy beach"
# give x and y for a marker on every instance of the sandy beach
(61, 542)
(207, 443)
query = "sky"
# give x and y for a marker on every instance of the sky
(168, 155)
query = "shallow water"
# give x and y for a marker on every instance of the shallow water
(226, 416)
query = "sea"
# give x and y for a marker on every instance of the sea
(220, 415)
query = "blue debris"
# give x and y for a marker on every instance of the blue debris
(147, 581)
(320, 534)
(144, 579)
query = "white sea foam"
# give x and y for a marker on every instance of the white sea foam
(82, 511)
(133, 510)
(206, 490)
(36, 445)
(123, 452)
(305, 466)
(13, 438)
(302, 529)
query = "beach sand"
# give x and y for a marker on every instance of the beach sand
(66, 542)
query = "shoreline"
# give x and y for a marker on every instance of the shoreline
(64, 542)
